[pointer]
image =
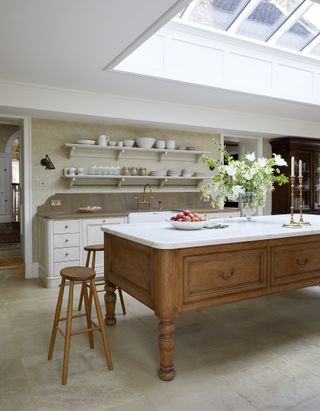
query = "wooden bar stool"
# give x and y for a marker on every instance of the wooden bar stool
(85, 275)
(93, 249)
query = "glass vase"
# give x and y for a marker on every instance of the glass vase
(248, 204)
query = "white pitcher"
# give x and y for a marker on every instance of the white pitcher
(103, 140)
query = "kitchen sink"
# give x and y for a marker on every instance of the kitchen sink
(149, 216)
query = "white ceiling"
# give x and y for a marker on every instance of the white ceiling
(68, 43)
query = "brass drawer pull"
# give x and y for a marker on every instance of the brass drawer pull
(66, 240)
(104, 221)
(66, 254)
(226, 276)
(66, 226)
(302, 263)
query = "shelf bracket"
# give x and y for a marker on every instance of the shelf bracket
(162, 182)
(198, 157)
(162, 155)
(120, 152)
(121, 181)
(72, 149)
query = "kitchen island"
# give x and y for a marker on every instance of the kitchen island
(174, 271)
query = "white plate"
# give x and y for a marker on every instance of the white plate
(90, 142)
(186, 225)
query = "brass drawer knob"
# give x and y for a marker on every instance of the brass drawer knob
(66, 240)
(226, 276)
(66, 254)
(302, 262)
(66, 226)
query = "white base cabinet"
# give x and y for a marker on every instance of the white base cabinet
(92, 234)
(62, 242)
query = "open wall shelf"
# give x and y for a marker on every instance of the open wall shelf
(119, 181)
(82, 150)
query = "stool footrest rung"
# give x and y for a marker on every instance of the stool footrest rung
(85, 330)
(74, 316)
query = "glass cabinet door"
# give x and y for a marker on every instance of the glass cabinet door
(306, 159)
(317, 181)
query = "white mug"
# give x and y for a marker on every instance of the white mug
(103, 140)
(80, 171)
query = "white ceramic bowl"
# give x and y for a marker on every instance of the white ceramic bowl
(186, 225)
(145, 142)
(128, 143)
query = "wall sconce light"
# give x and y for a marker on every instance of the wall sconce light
(47, 163)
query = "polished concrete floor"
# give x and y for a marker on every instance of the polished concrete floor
(261, 354)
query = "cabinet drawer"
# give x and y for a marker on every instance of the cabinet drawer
(58, 266)
(224, 273)
(66, 254)
(295, 262)
(66, 226)
(66, 240)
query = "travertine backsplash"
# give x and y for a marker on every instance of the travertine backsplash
(49, 137)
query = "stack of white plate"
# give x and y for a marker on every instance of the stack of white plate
(173, 173)
(186, 172)
(89, 142)
(158, 173)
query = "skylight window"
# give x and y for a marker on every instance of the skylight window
(303, 31)
(292, 24)
(217, 13)
(267, 17)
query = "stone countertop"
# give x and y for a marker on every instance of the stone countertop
(164, 236)
(123, 213)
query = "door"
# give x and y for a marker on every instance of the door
(5, 188)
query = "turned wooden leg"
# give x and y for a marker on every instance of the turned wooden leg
(110, 302)
(56, 320)
(124, 312)
(68, 335)
(167, 343)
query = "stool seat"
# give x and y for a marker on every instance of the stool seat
(76, 273)
(94, 247)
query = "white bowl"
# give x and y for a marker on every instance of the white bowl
(128, 143)
(186, 225)
(145, 142)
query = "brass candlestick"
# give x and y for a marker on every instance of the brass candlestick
(292, 223)
(301, 204)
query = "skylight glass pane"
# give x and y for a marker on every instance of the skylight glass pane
(303, 31)
(219, 14)
(267, 17)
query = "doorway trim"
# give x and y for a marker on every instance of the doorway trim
(31, 270)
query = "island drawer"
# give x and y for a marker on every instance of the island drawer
(294, 262)
(223, 273)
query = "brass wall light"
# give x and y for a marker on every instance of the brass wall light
(47, 163)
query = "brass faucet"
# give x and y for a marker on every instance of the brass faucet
(144, 201)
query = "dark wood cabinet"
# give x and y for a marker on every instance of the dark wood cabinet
(308, 151)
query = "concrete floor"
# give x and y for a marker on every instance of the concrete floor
(261, 354)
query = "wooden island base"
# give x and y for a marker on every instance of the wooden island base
(173, 281)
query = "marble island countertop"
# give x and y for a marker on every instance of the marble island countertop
(164, 236)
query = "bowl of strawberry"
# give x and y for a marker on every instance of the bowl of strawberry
(188, 220)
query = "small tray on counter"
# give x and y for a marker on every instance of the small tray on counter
(89, 209)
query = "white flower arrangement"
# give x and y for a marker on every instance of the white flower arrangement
(236, 177)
